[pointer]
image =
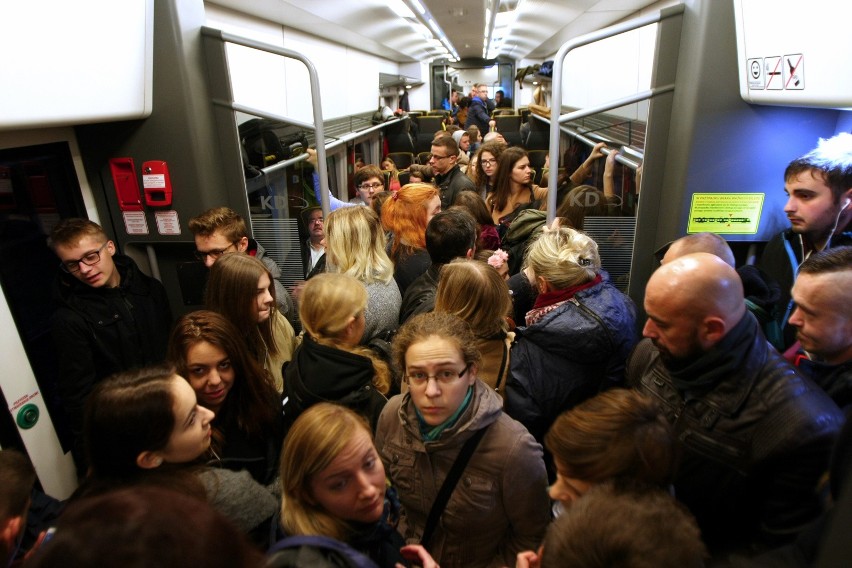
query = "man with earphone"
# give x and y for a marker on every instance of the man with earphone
(819, 207)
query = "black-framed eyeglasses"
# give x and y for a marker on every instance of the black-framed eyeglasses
(371, 185)
(89, 259)
(437, 157)
(487, 162)
(443, 377)
(215, 254)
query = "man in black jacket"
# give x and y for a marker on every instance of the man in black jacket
(111, 316)
(448, 177)
(755, 436)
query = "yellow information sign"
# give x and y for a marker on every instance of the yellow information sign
(737, 213)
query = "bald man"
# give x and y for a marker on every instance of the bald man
(700, 242)
(755, 436)
(823, 321)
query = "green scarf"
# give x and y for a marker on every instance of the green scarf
(430, 433)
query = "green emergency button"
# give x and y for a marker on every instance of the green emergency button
(27, 416)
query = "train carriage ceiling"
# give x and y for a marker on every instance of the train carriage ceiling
(418, 30)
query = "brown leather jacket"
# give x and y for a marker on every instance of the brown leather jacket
(499, 506)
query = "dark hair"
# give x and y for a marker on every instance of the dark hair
(223, 219)
(368, 172)
(68, 232)
(424, 172)
(837, 259)
(252, 401)
(612, 527)
(145, 526)
(503, 187)
(17, 478)
(471, 202)
(450, 234)
(831, 160)
(447, 142)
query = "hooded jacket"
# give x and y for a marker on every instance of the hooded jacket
(499, 506)
(319, 373)
(570, 354)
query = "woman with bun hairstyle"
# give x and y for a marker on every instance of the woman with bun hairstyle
(406, 215)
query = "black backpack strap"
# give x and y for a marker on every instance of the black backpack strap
(449, 485)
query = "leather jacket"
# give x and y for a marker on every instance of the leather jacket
(753, 444)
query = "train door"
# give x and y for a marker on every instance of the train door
(38, 188)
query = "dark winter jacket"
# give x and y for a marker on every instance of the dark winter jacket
(420, 296)
(100, 331)
(319, 373)
(572, 353)
(451, 184)
(754, 435)
(477, 115)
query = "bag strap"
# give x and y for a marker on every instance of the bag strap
(449, 485)
(502, 364)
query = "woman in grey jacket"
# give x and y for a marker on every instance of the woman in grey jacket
(502, 490)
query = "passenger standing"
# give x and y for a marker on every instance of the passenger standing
(313, 251)
(462, 138)
(499, 505)
(514, 190)
(485, 167)
(329, 365)
(222, 230)
(819, 207)
(478, 113)
(248, 430)
(448, 177)
(450, 234)
(405, 215)
(240, 288)
(356, 246)
(369, 181)
(111, 317)
(754, 436)
(487, 237)
(577, 336)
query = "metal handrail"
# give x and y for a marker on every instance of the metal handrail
(556, 92)
(317, 127)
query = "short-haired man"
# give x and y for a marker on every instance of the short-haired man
(111, 316)
(478, 111)
(448, 177)
(754, 436)
(17, 478)
(823, 321)
(369, 181)
(222, 230)
(819, 206)
(450, 234)
(313, 251)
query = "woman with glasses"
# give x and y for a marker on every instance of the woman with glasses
(405, 215)
(330, 365)
(577, 336)
(240, 288)
(498, 505)
(483, 169)
(207, 350)
(355, 245)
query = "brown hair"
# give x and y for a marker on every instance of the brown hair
(499, 198)
(231, 291)
(222, 219)
(439, 324)
(619, 434)
(70, 231)
(368, 172)
(252, 397)
(17, 478)
(581, 202)
(476, 293)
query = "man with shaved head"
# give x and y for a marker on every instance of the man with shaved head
(755, 436)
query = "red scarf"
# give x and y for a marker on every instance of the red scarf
(548, 301)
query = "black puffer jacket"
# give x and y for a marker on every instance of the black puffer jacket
(569, 355)
(755, 438)
(319, 373)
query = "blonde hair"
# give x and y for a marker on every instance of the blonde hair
(327, 304)
(564, 258)
(316, 438)
(477, 294)
(355, 244)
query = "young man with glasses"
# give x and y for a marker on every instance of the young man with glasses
(221, 231)
(478, 111)
(369, 181)
(111, 316)
(448, 176)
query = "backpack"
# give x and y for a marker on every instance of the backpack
(303, 551)
(268, 142)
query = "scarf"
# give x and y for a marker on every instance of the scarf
(546, 302)
(430, 433)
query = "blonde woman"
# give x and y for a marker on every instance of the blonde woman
(240, 288)
(578, 334)
(329, 365)
(475, 292)
(355, 245)
(334, 485)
